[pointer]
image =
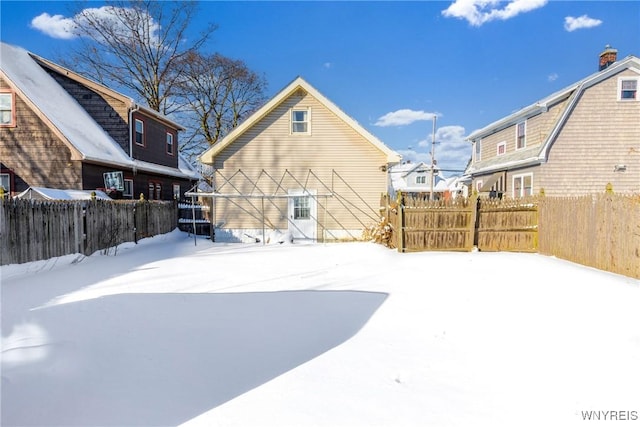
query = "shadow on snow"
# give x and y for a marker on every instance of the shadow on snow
(162, 359)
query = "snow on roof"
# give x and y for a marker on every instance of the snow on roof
(67, 116)
(56, 194)
(59, 107)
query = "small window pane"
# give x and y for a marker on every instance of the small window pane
(5, 101)
(301, 208)
(629, 84)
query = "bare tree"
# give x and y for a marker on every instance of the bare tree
(217, 93)
(138, 45)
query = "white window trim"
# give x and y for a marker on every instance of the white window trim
(501, 144)
(619, 96)
(479, 185)
(172, 137)
(477, 150)
(12, 109)
(135, 132)
(513, 184)
(525, 135)
(124, 194)
(308, 110)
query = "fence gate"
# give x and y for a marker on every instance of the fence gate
(508, 225)
(435, 225)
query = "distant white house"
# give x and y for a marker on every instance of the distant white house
(416, 178)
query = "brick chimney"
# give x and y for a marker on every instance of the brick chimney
(608, 56)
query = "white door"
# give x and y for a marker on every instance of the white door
(303, 211)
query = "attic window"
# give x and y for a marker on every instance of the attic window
(628, 89)
(300, 121)
(7, 109)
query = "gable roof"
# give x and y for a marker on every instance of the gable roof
(290, 89)
(86, 139)
(539, 154)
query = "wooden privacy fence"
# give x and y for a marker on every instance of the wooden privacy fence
(31, 230)
(418, 224)
(601, 231)
(507, 225)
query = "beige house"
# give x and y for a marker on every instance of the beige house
(573, 142)
(298, 166)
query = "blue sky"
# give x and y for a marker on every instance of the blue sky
(393, 65)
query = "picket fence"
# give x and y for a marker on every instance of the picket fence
(32, 230)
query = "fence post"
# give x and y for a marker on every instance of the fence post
(78, 228)
(400, 225)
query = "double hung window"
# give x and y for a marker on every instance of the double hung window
(7, 109)
(523, 185)
(521, 135)
(628, 89)
(300, 121)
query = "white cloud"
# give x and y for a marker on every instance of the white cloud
(552, 77)
(478, 12)
(572, 24)
(60, 27)
(56, 26)
(404, 117)
(452, 151)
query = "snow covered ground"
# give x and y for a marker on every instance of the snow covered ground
(172, 333)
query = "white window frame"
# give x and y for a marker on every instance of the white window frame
(135, 132)
(128, 188)
(176, 191)
(12, 109)
(502, 144)
(479, 185)
(521, 177)
(421, 179)
(170, 144)
(477, 150)
(307, 121)
(636, 98)
(524, 135)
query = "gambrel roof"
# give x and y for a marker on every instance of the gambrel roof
(86, 139)
(539, 154)
(299, 83)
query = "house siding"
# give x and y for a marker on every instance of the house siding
(600, 133)
(538, 128)
(333, 160)
(155, 148)
(34, 153)
(110, 113)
